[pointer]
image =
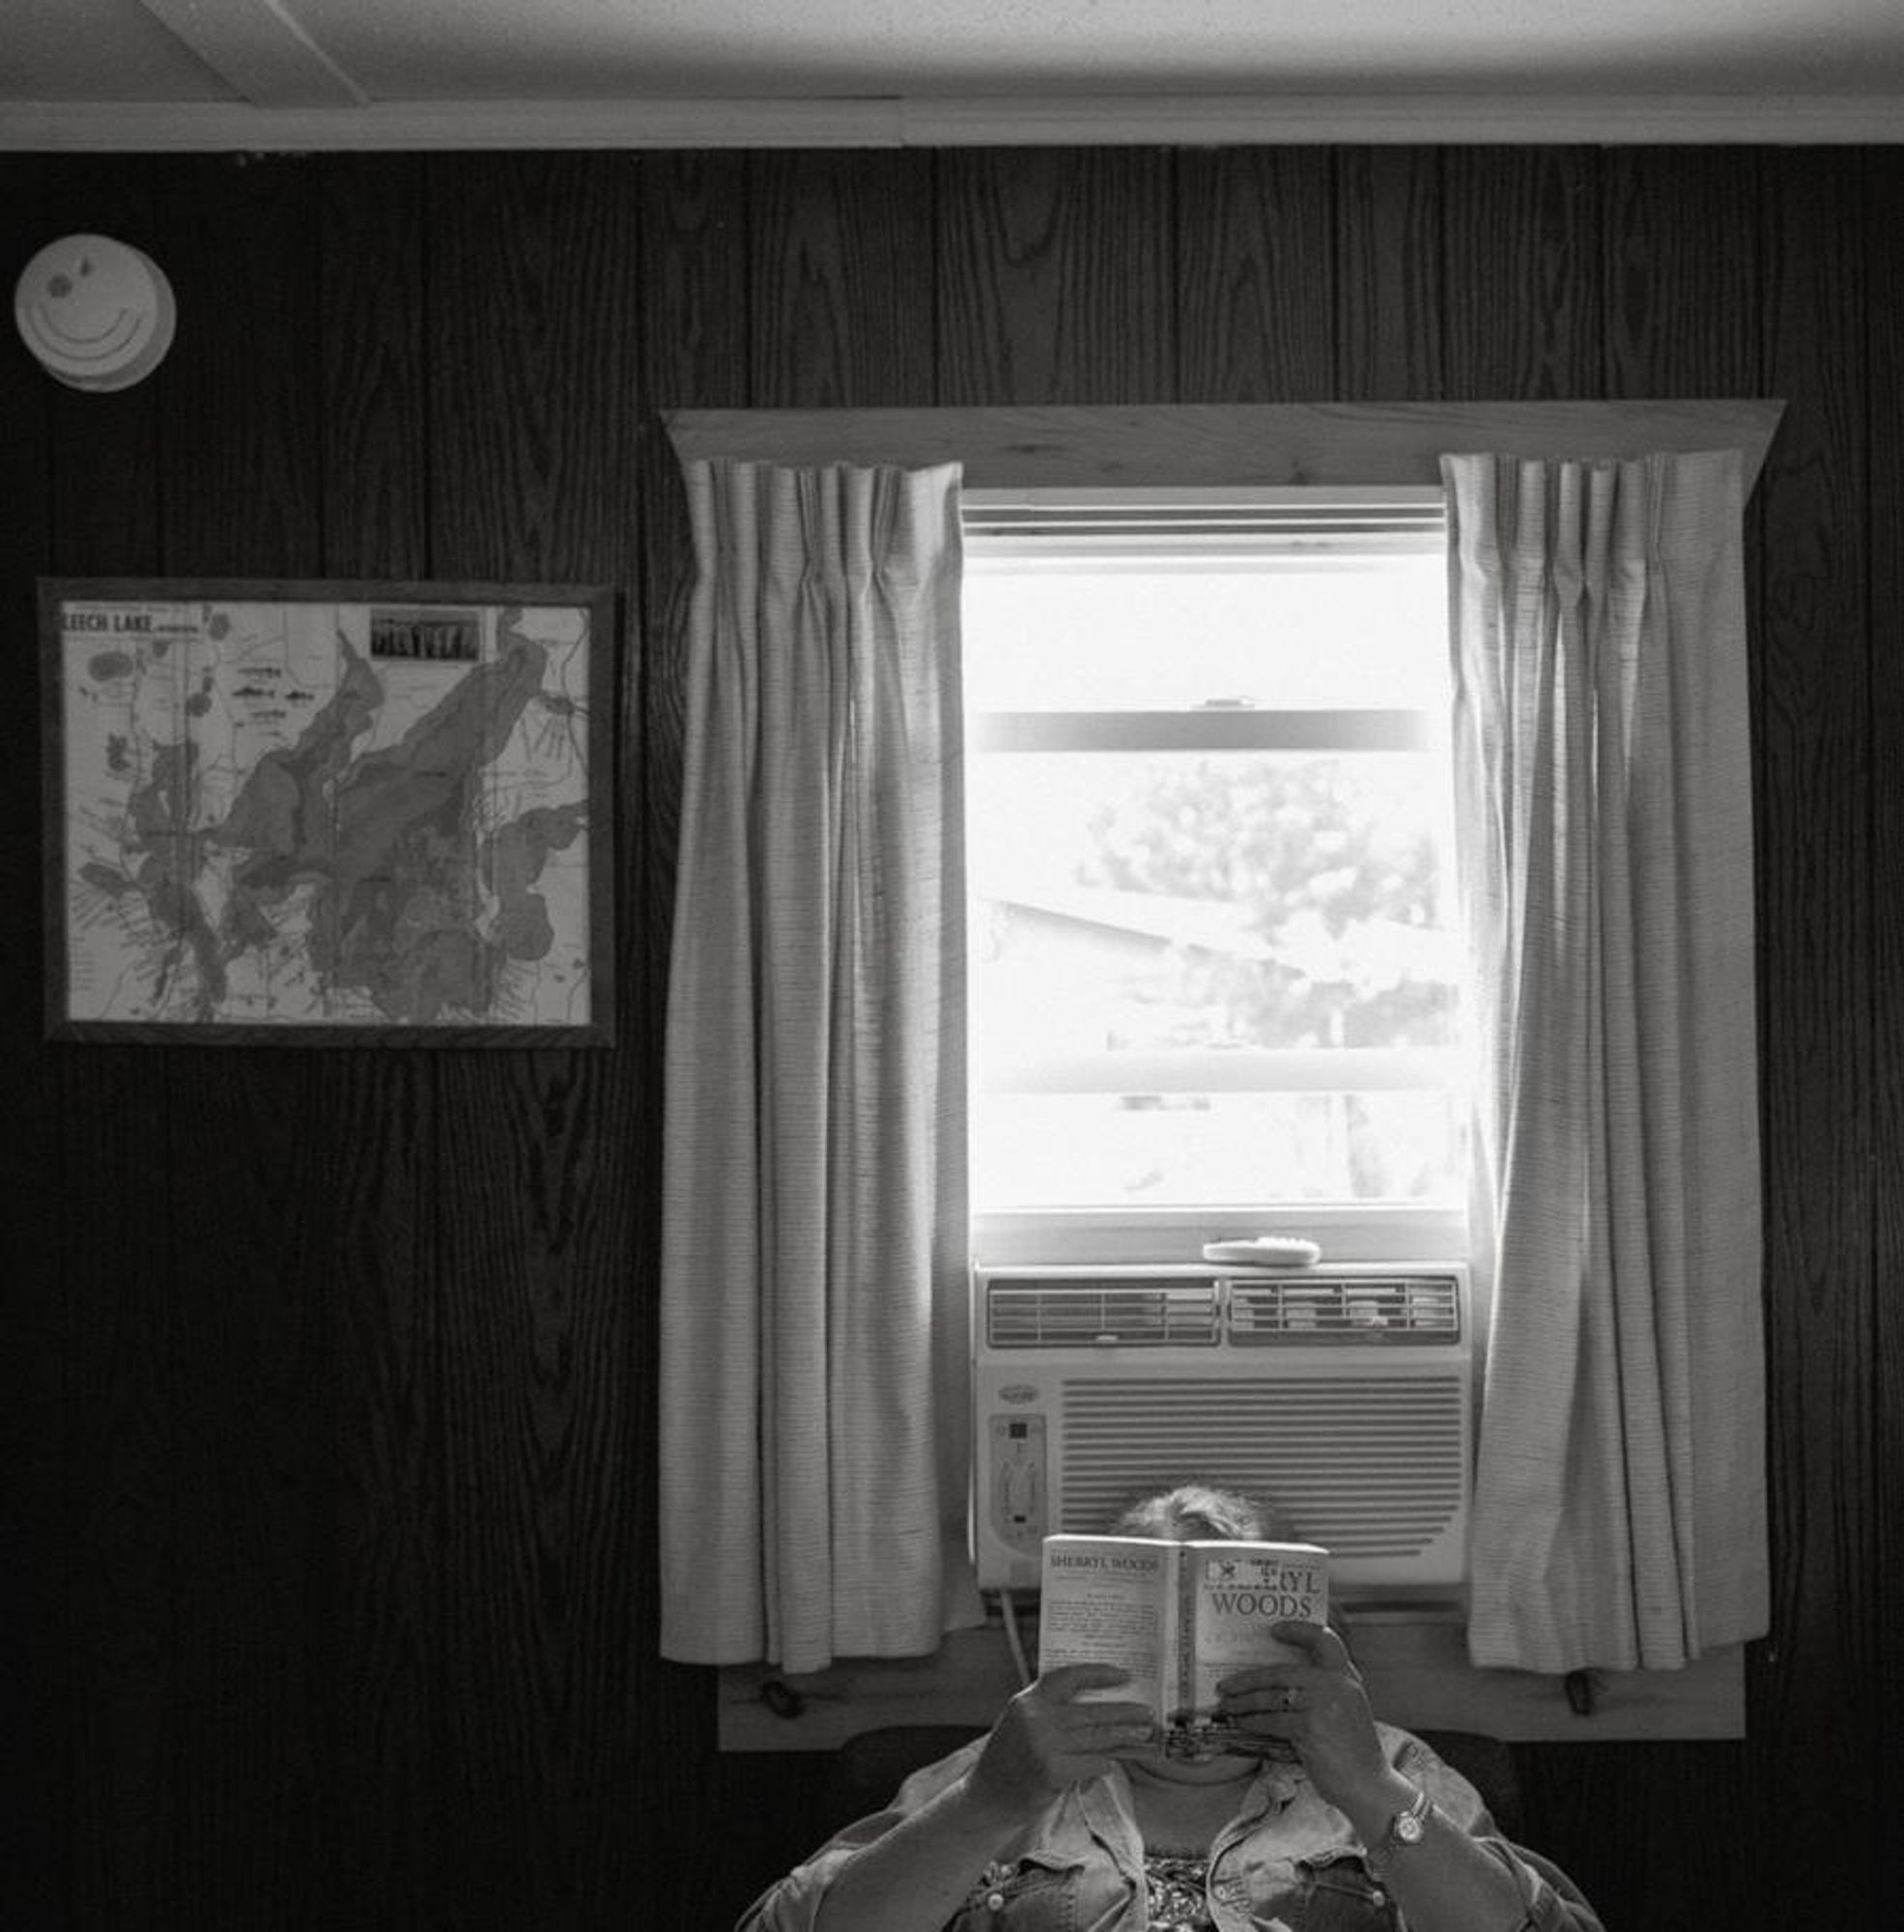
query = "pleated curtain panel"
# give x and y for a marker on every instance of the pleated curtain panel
(813, 1416)
(1604, 774)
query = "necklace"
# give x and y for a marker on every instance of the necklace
(1174, 1898)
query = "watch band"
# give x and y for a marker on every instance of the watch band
(1408, 1825)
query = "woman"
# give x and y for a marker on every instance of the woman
(1064, 1815)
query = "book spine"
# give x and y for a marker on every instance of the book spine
(1185, 1571)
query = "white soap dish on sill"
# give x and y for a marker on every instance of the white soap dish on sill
(1279, 1251)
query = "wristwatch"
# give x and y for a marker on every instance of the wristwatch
(1408, 1825)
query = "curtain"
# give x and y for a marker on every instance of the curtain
(812, 1449)
(1604, 803)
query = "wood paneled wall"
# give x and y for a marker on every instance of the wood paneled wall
(330, 1376)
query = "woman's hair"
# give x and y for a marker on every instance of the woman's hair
(1198, 1510)
(1194, 1510)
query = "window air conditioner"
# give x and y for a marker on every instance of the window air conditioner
(1343, 1395)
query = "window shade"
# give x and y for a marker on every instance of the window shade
(1301, 524)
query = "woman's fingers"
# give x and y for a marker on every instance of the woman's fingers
(1057, 1699)
(1320, 1646)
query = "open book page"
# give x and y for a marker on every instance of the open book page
(1234, 1595)
(1112, 1600)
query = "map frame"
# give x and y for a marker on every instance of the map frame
(587, 848)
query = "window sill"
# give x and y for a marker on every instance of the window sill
(1151, 1237)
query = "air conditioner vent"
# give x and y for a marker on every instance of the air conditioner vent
(1108, 1313)
(1401, 1307)
(1370, 1467)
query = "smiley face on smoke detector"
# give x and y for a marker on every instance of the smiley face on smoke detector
(97, 313)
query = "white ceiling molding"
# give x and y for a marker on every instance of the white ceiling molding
(1311, 120)
(260, 51)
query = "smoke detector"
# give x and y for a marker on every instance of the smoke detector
(97, 314)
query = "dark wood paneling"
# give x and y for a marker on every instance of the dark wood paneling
(248, 1319)
(348, 1360)
(1389, 221)
(1681, 277)
(841, 255)
(38, 1705)
(534, 1618)
(1884, 254)
(1255, 276)
(1520, 289)
(532, 348)
(1810, 1691)
(374, 252)
(377, 1600)
(1054, 276)
(125, 1414)
(241, 481)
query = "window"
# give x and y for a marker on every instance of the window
(1022, 454)
(1214, 977)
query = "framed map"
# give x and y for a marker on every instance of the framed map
(306, 814)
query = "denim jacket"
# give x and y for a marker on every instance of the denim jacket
(1285, 1862)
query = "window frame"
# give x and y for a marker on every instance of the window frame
(1218, 446)
(1315, 531)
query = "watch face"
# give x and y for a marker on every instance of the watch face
(1407, 1828)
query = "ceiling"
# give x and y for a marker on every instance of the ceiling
(381, 73)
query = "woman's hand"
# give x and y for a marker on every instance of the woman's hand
(1046, 1739)
(915, 1875)
(1320, 1707)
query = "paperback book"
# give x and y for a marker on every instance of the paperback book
(1178, 1617)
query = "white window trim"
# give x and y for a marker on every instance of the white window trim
(1311, 532)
